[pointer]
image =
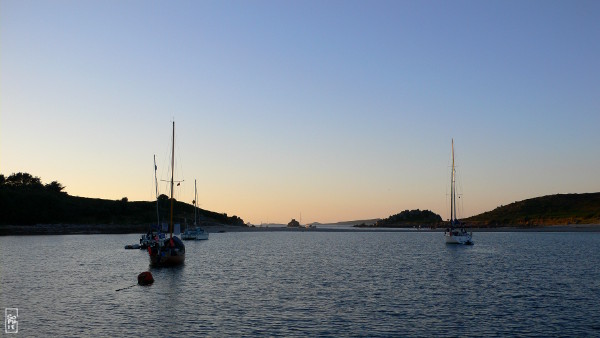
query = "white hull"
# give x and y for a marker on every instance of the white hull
(462, 238)
(203, 236)
(187, 236)
(197, 234)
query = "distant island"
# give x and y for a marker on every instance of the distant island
(362, 222)
(293, 223)
(406, 218)
(25, 201)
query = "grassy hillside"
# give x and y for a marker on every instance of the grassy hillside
(559, 209)
(24, 200)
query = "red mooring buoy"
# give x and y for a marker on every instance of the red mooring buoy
(145, 278)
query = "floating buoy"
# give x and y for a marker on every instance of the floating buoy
(145, 278)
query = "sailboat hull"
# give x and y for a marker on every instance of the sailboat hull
(158, 260)
(465, 239)
(167, 253)
(195, 234)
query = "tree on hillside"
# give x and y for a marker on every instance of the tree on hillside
(20, 180)
(54, 186)
(28, 181)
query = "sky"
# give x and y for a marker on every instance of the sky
(326, 110)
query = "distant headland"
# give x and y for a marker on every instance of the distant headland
(25, 201)
(560, 209)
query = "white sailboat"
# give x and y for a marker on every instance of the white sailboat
(197, 233)
(456, 234)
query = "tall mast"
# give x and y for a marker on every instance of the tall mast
(452, 190)
(195, 202)
(172, 169)
(156, 187)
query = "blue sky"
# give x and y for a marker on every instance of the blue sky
(334, 109)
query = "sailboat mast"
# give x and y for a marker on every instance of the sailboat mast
(156, 188)
(452, 190)
(172, 169)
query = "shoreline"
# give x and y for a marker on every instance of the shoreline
(105, 229)
(546, 228)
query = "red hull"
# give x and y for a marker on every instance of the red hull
(157, 260)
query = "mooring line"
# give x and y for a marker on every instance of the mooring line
(126, 287)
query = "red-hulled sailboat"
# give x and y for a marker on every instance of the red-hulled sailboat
(168, 251)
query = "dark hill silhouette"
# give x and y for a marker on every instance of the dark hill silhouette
(407, 218)
(24, 200)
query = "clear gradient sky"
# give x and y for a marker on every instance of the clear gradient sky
(338, 110)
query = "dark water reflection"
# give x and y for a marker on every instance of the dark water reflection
(308, 284)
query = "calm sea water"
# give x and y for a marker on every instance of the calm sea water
(308, 284)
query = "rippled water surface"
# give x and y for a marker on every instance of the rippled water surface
(308, 284)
